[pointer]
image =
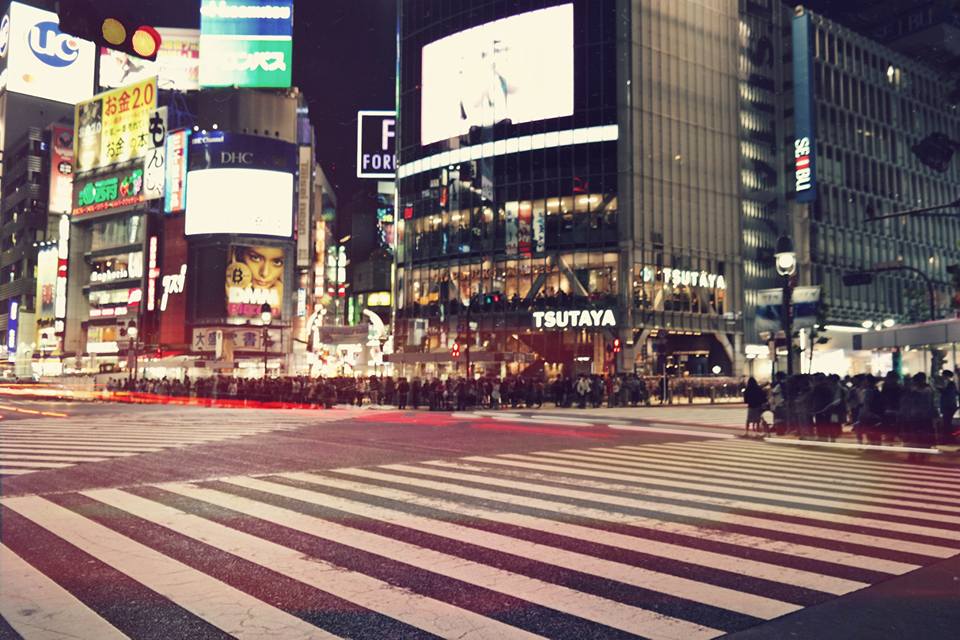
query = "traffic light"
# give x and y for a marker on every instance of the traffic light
(111, 24)
(455, 350)
(616, 345)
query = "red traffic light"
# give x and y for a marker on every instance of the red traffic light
(109, 24)
(455, 350)
(616, 345)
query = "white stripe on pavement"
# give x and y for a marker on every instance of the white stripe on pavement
(807, 552)
(39, 609)
(757, 503)
(773, 477)
(232, 610)
(646, 546)
(724, 598)
(7, 458)
(646, 472)
(675, 431)
(589, 607)
(431, 615)
(723, 517)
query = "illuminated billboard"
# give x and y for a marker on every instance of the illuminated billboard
(116, 126)
(176, 68)
(254, 276)
(61, 169)
(240, 184)
(42, 61)
(518, 69)
(246, 43)
(176, 179)
(101, 192)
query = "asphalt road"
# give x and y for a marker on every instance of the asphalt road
(185, 522)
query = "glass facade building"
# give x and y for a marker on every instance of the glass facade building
(627, 201)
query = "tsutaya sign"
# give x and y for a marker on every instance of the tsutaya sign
(684, 278)
(574, 319)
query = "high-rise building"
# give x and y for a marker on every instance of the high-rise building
(569, 187)
(868, 106)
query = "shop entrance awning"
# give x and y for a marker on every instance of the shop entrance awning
(924, 334)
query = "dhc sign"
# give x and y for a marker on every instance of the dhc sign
(575, 319)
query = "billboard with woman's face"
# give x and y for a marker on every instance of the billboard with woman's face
(254, 276)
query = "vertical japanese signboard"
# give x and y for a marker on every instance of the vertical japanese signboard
(304, 180)
(175, 186)
(804, 111)
(61, 169)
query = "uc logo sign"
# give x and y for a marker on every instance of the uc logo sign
(52, 47)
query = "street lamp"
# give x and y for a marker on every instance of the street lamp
(133, 332)
(266, 317)
(786, 259)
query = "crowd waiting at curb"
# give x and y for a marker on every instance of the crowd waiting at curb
(914, 411)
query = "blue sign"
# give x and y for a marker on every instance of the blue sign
(247, 17)
(51, 46)
(804, 110)
(13, 324)
(241, 151)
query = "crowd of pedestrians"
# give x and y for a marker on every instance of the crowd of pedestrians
(915, 411)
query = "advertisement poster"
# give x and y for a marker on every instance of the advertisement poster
(539, 229)
(304, 180)
(518, 69)
(525, 229)
(511, 211)
(61, 169)
(116, 126)
(177, 66)
(254, 276)
(102, 192)
(46, 285)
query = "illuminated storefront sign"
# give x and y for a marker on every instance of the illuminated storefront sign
(41, 60)
(177, 65)
(683, 278)
(63, 256)
(61, 169)
(379, 299)
(13, 325)
(804, 110)
(99, 194)
(116, 126)
(575, 319)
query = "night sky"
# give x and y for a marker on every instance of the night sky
(343, 61)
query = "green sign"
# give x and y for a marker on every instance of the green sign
(246, 63)
(100, 194)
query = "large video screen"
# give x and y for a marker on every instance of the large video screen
(240, 201)
(518, 69)
(254, 276)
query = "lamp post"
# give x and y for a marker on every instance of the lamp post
(133, 332)
(786, 259)
(266, 317)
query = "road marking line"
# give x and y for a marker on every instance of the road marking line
(27, 592)
(673, 431)
(646, 546)
(434, 616)
(689, 589)
(661, 474)
(772, 478)
(221, 605)
(8, 471)
(6, 458)
(742, 501)
(589, 607)
(750, 463)
(807, 552)
(847, 459)
(769, 455)
(825, 533)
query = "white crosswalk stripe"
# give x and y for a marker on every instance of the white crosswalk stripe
(648, 541)
(38, 444)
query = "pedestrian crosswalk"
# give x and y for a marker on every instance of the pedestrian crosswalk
(28, 446)
(662, 541)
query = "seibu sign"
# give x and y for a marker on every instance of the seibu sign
(575, 319)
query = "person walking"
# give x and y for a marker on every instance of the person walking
(948, 406)
(756, 399)
(918, 411)
(583, 391)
